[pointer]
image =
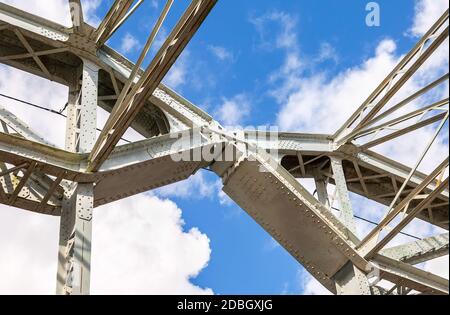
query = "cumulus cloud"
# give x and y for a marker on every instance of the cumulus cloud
(427, 12)
(327, 52)
(140, 247)
(221, 53)
(129, 44)
(311, 286)
(179, 71)
(284, 22)
(332, 101)
(24, 86)
(233, 111)
(197, 183)
(58, 10)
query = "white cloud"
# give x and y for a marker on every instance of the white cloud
(139, 245)
(154, 4)
(286, 38)
(129, 44)
(29, 245)
(38, 91)
(439, 266)
(427, 12)
(179, 71)
(221, 53)
(90, 11)
(332, 101)
(310, 286)
(327, 52)
(233, 111)
(57, 10)
(197, 186)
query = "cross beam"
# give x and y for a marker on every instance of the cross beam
(116, 16)
(123, 115)
(420, 251)
(406, 68)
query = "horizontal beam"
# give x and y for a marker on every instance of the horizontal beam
(420, 251)
(408, 276)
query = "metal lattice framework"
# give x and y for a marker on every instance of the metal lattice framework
(93, 171)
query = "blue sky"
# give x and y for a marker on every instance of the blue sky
(252, 63)
(236, 53)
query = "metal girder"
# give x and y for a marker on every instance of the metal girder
(124, 114)
(56, 160)
(19, 127)
(401, 273)
(74, 253)
(405, 202)
(23, 180)
(401, 119)
(37, 183)
(321, 188)
(305, 227)
(76, 15)
(116, 15)
(151, 164)
(351, 281)
(404, 131)
(420, 251)
(35, 54)
(406, 220)
(23, 192)
(395, 80)
(409, 99)
(125, 92)
(82, 111)
(379, 178)
(179, 112)
(347, 216)
(291, 215)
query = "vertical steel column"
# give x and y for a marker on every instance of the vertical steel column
(321, 188)
(351, 281)
(342, 192)
(76, 14)
(74, 257)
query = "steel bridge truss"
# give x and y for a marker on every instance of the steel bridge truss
(93, 171)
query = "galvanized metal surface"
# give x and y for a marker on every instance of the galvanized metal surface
(36, 176)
